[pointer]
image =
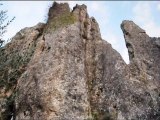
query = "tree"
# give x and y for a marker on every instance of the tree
(4, 22)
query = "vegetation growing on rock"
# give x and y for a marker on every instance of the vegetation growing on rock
(63, 70)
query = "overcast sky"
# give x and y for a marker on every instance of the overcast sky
(109, 15)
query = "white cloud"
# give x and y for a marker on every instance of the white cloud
(143, 15)
(158, 7)
(142, 12)
(125, 3)
(152, 29)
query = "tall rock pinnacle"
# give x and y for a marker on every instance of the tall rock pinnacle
(63, 70)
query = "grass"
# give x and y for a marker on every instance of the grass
(61, 21)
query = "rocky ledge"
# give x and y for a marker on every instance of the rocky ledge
(64, 70)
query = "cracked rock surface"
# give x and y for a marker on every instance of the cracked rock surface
(64, 70)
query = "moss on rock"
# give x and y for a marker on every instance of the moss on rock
(61, 21)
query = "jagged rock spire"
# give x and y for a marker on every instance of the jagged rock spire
(58, 9)
(63, 70)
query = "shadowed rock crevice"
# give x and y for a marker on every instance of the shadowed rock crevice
(63, 70)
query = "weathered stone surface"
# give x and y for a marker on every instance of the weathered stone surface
(68, 72)
(14, 59)
(144, 69)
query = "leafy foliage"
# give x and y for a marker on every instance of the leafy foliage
(4, 22)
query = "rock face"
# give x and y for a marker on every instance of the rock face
(63, 70)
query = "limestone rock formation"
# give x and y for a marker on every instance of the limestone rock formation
(64, 70)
